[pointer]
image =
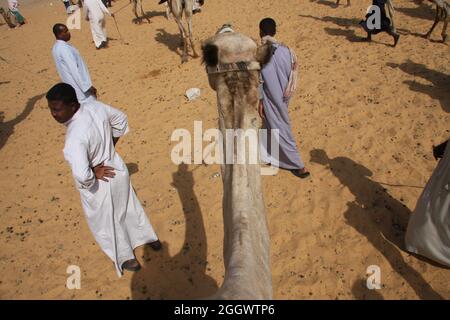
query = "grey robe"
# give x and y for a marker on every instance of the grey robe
(275, 75)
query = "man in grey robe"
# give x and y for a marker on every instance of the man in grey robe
(279, 77)
(428, 232)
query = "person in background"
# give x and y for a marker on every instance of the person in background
(13, 6)
(70, 65)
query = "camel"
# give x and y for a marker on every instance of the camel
(177, 7)
(233, 62)
(442, 13)
(139, 19)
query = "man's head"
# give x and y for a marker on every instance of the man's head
(267, 27)
(62, 102)
(61, 32)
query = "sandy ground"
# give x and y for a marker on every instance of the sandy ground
(365, 117)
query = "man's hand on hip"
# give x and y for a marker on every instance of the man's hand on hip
(102, 172)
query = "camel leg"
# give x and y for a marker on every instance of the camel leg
(138, 20)
(189, 20)
(436, 21)
(184, 57)
(143, 12)
(444, 31)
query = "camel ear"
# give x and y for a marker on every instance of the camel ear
(210, 54)
(264, 53)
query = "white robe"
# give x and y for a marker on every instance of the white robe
(95, 10)
(114, 214)
(428, 232)
(72, 70)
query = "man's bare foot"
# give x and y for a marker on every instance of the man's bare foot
(131, 265)
(155, 245)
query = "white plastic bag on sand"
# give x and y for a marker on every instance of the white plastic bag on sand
(192, 93)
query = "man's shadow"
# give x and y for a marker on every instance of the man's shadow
(7, 128)
(377, 216)
(349, 27)
(182, 276)
(440, 81)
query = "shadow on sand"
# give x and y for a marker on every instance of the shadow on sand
(381, 219)
(440, 82)
(348, 31)
(7, 128)
(173, 41)
(183, 275)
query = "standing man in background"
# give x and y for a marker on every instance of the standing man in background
(70, 65)
(94, 12)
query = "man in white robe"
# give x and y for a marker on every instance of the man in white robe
(70, 65)
(94, 11)
(113, 211)
(428, 232)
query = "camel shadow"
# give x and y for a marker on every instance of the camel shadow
(325, 3)
(183, 275)
(172, 41)
(154, 14)
(148, 15)
(348, 33)
(377, 216)
(342, 22)
(7, 128)
(440, 82)
(422, 11)
(415, 34)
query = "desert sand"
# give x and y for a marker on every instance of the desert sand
(365, 117)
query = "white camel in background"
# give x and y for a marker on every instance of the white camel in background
(177, 7)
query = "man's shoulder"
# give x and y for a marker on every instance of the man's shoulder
(96, 109)
(61, 46)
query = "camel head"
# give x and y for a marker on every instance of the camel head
(233, 62)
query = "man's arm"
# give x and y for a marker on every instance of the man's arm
(69, 61)
(75, 153)
(103, 8)
(118, 121)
